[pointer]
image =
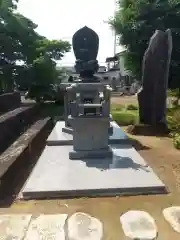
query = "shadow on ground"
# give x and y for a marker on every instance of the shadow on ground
(138, 145)
(115, 163)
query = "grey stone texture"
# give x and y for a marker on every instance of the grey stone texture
(172, 216)
(82, 226)
(55, 175)
(138, 225)
(59, 137)
(47, 227)
(14, 226)
(155, 72)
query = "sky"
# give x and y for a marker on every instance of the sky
(60, 19)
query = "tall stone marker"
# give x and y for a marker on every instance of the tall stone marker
(155, 72)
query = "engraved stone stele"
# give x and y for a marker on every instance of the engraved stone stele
(82, 226)
(172, 216)
(155, 72)
(138, 225)
(47, 227)
(14, 226)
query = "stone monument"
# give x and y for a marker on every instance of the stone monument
(96, 158)
(155, 72)
(85, 45)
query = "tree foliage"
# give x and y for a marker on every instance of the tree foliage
(136, 21)
(23, 52)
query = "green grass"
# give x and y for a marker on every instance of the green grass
(129, 115)
(125, 115)
(117, 107)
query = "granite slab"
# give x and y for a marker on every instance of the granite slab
(126, 173)
(59, 137)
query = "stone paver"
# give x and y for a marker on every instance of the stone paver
(14, 227)
(138, 225)
(47, 227)
(82, 226)
(172, 216)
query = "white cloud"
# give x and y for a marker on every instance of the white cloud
(59, 19)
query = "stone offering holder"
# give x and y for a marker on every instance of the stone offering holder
(88, 154)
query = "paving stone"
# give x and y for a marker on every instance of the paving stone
(82, 226)
(14, 227)
(172, 216)
(47, 227)
(138, 225)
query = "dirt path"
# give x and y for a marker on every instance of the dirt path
(164, 160)
(124, 100)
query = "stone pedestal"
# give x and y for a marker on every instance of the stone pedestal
(90, 137)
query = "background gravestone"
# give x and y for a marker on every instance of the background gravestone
(155, 72)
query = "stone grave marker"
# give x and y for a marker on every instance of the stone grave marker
(94, 160)
(155, 72)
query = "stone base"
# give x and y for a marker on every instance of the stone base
(68, 130)
(60, 137)
(101, 154)
(126, 173)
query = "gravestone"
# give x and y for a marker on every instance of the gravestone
(85, 46)
(155, 71)
(90, 161)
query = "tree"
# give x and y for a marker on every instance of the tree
(20, 43)
(43, 71)
(136, 21)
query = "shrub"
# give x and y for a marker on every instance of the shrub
(176, 141)
(174, 121)
(125, 118)
(132, 107)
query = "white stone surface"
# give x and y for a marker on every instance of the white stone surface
(172, 216)
(138, 225)
(14, 227)
(82, 226)
(47, 227)
(56, 175)
(57, 136)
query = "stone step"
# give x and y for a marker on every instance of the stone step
(22, 149)
(14, 122)
(79, 226)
